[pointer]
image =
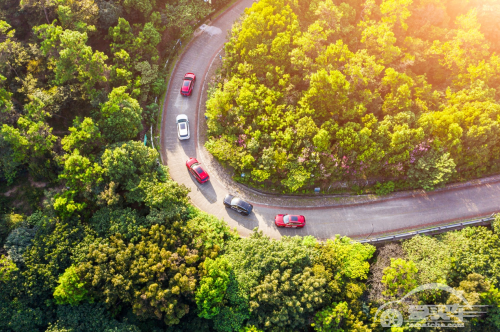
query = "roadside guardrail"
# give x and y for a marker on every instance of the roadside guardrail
(429, 231)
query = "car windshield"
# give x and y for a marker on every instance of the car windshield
(181, 120)
(286, 219)
(186, 83)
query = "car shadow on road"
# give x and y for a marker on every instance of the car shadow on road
(291, 231)
(188, 147)
(249, 222)
(206, 190)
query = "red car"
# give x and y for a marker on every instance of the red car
(188, 84)
(291, 221)
(194, 167)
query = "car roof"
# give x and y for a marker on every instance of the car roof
(239, 202)
(200, 170)
(294, 218)
(183, 126)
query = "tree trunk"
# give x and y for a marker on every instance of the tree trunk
(45, 11)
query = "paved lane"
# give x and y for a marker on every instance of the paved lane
(352, 220)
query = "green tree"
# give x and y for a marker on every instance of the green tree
(18, 241)
(496, 224)
(140, 45)
(235, 309)
(8, 166)
(297, 177)
(81, 176)
(120, 116)
(18, 316)
(88, 317)
(5, 98)
(9, 222)
(151, 114)
(80, 173)
(322, 140)
(127, 222)
(77, 15)
(84, 136)
(157, 276)
(32, 144)
(345, 263)
(132, 174)
(380, 41)
(72, 57)
(328, 94)
(213, 232)
(46, 6)
(399, 99)
(396, 12)
(143, 6)
(109, 13)
(432, 258)
(49, 256)
(213, 287)
(432, 170)
(400, 277)
(264, 46)
(7, 267)
(330, 319)
(474, 250)
(277, 280)
(180, 12)
(70, 290)
(467, 47)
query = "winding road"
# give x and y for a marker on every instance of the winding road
(325, 216)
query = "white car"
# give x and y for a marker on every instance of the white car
(182, 126)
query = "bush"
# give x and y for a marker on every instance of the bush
(36, 219)
(7, 267)
(70, 289)
(384, 188)
(8, 222)
(126, 221)
(88, 317)
(212, 287)
(496, 224)
(18, 241)
(432, 170)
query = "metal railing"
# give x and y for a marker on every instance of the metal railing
(430, 231)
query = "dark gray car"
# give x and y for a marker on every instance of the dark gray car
(238, 205)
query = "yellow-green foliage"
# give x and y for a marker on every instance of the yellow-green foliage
(70, 289)
(333, 90)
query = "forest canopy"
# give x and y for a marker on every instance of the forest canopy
(324, 91)
(96, 236)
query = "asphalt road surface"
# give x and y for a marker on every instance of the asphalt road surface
(358, 221)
